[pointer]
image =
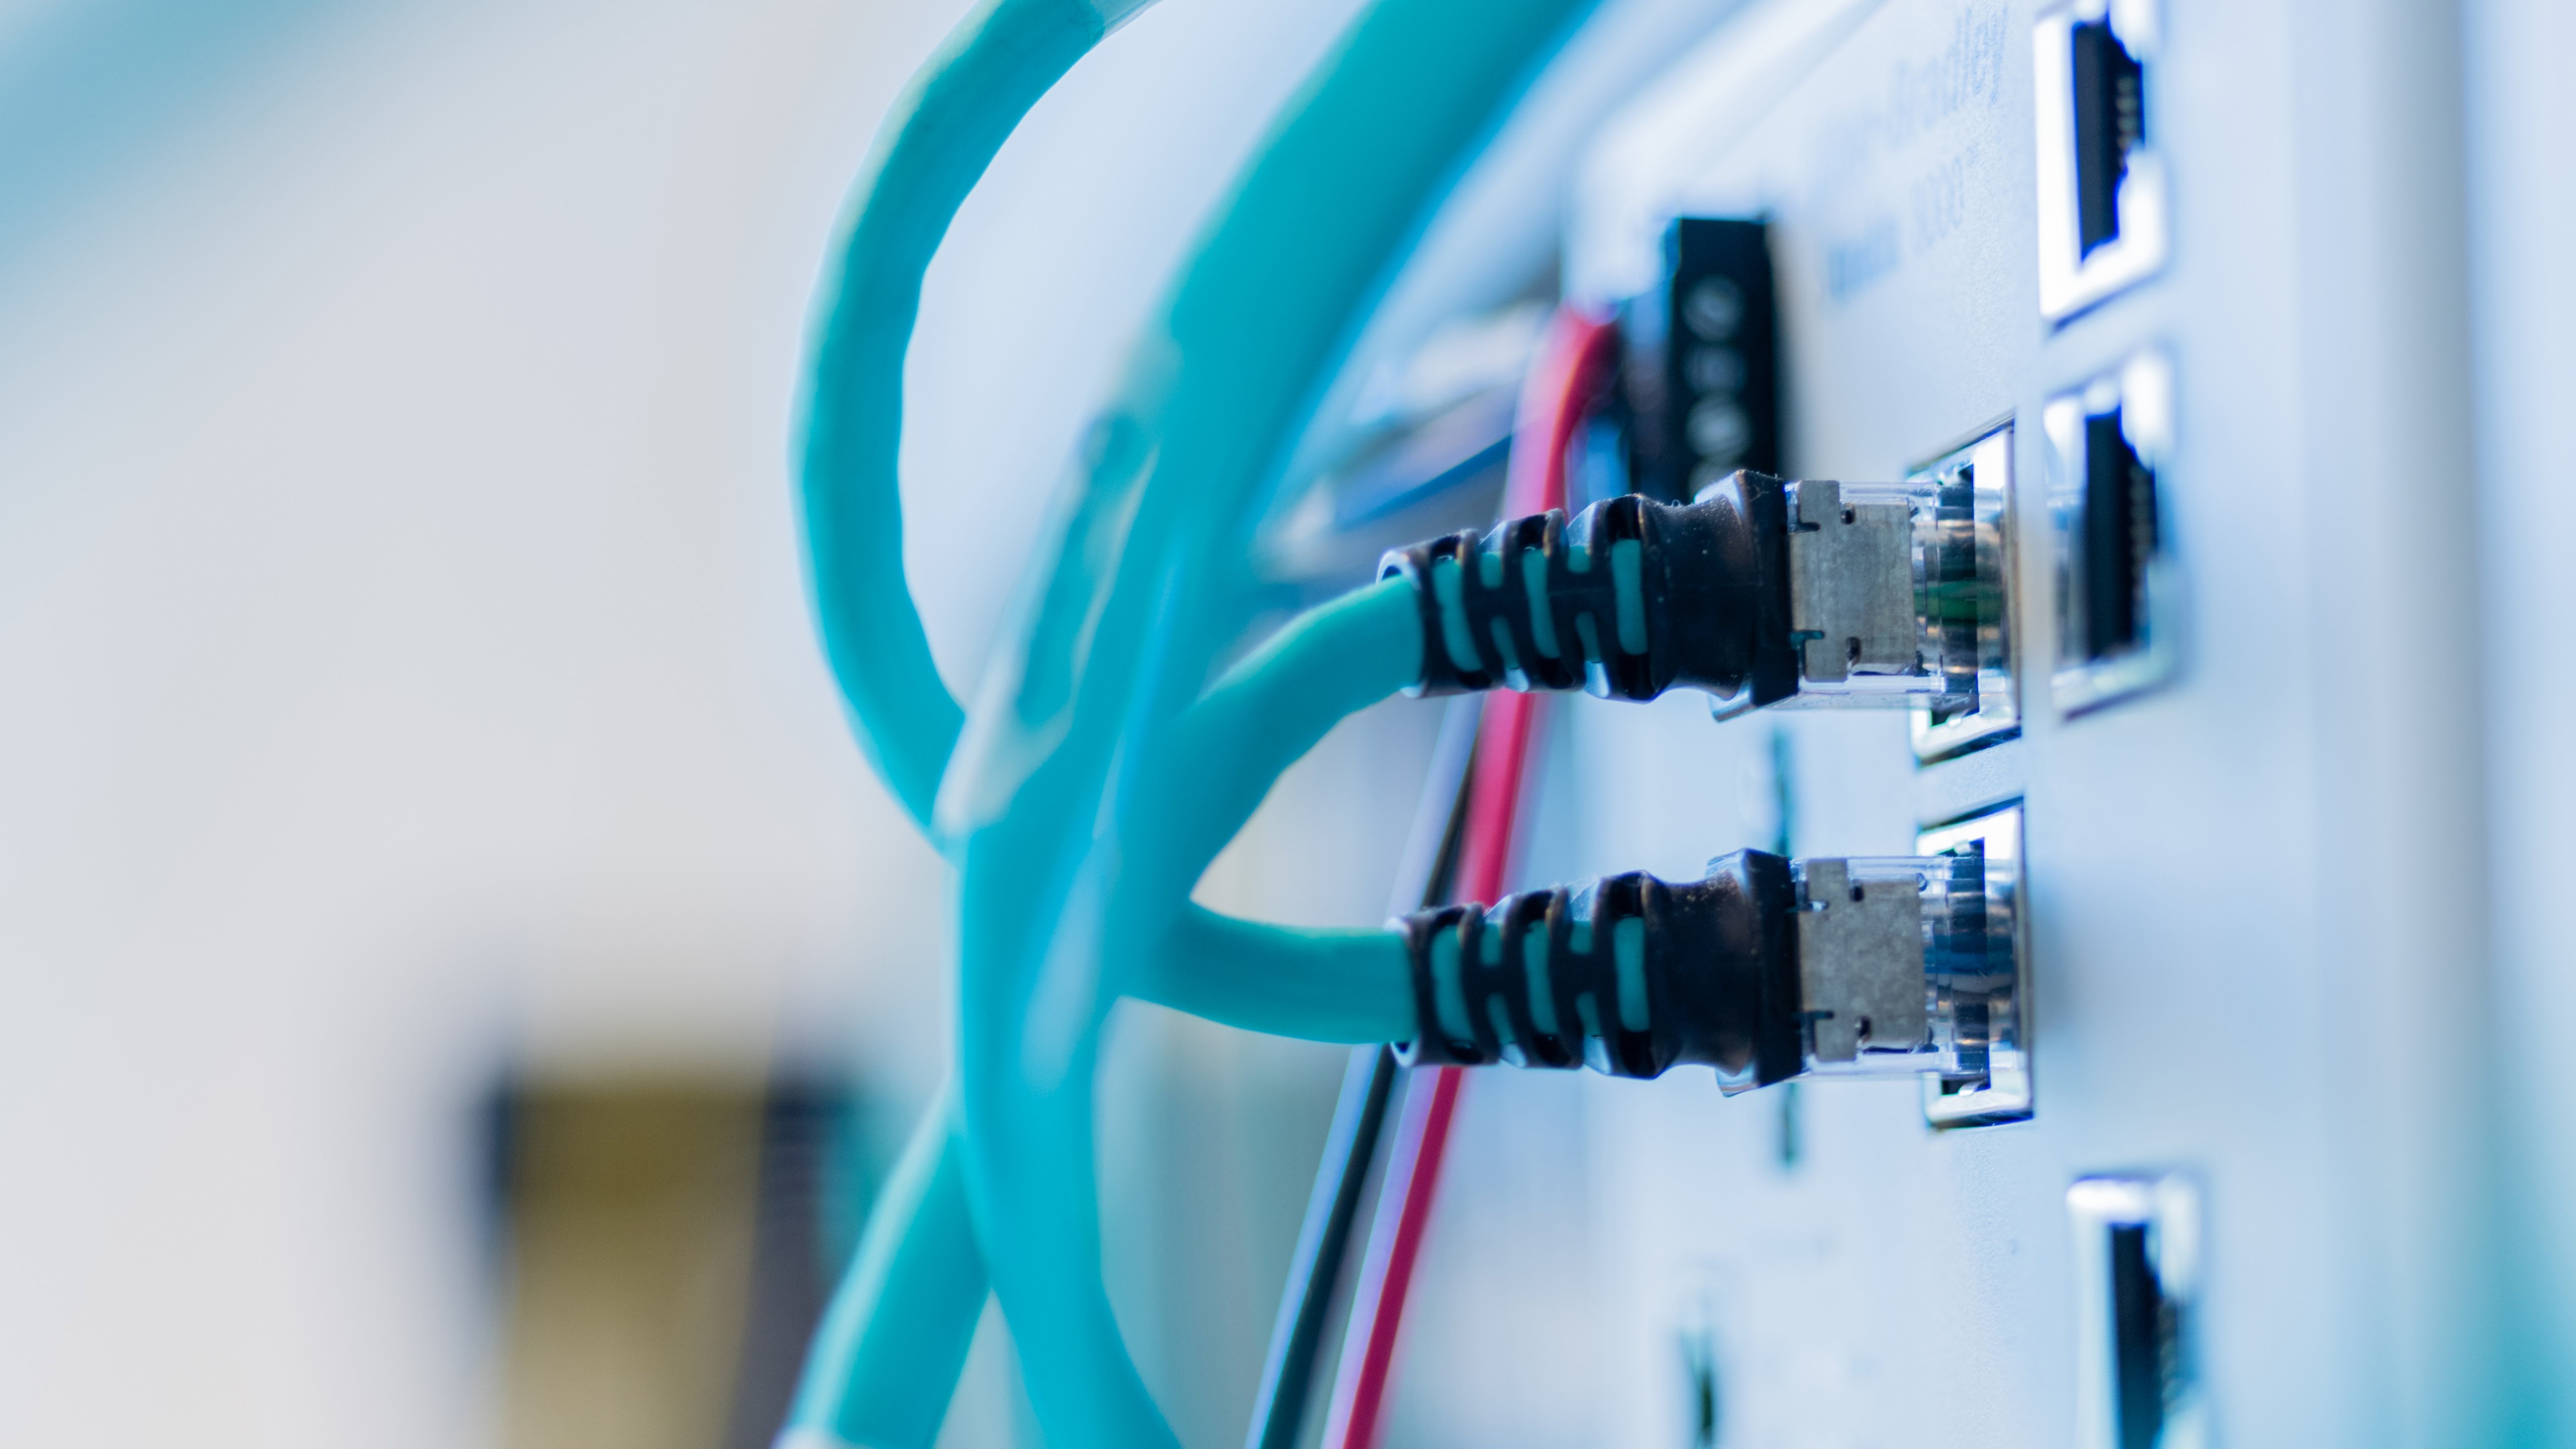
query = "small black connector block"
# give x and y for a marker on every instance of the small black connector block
(1630, 975)
(1701, 377)
(1629, 599)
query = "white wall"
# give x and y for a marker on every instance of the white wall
(406, 663)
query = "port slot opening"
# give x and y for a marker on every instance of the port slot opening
(2119, 542)
(2102, 223)
(2142, 1339)
(2109, 97)
(2114, 575)
(2139, 1264)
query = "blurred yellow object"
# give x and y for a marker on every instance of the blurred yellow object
(633, 1209)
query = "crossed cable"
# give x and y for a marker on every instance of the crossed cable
(1097, 772)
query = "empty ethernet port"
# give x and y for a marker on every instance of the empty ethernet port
(2138, 1257)
(2143, 1340)
(2101, 188)
(2110, 123)
(2119, 523)
(2114, 580)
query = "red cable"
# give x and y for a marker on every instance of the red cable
(1553, 397)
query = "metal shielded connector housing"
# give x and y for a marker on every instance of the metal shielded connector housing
(1913, 966)
(1851, 583)
(1900, 595)
(1860, 957)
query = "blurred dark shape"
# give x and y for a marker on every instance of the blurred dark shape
(668, 1244)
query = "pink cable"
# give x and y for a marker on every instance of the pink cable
(1553, 397)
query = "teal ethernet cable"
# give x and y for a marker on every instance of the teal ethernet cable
(1094, 779)
(942, 134)
(917, 1276)
(1144, 581)
(1259, 719)
(1008, 811)
(884, 1360)
(936, 144)
(886, 1357)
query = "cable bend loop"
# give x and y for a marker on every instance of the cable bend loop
(1139, 586)
(885, 1360)
(1227, 749)
(936, 143)
(1338, 196)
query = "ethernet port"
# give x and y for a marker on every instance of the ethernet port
(2101, 185)
(2114, 587)
(2138, 1277)
(1973, 509)
(2110, 123)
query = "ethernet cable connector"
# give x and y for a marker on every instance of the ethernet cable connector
(1767, 969)
(1758, 592)
(1898, 593)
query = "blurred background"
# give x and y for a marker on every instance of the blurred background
(462, 979)
(463, 982)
